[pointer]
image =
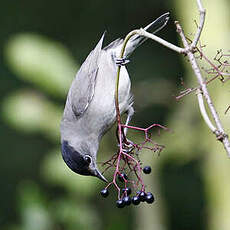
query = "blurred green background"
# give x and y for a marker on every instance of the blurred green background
(42, 45)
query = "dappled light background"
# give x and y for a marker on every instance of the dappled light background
(43, 44)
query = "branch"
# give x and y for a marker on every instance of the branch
(169, 45)
(201, 25)
(203, 111)
(211, 64)
(219, 132)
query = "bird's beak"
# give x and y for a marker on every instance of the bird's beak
(99, 175)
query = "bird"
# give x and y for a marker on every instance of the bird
(90, 105)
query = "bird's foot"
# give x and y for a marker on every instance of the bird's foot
(127, 146)
(121, 61)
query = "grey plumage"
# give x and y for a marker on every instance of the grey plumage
(90, 107)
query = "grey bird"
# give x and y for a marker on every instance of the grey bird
(90, 106)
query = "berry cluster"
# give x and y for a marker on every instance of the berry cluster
(126, 199)
(141, 196)
(127, 166)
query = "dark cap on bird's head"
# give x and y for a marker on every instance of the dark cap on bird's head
(81, 163)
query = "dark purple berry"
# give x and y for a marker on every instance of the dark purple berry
(104, 192)
(127, 200)
(142, 195)
(149, 198)
(127, 190)
(147, 169)
(122, 176)
(136, 200)
(120, 203)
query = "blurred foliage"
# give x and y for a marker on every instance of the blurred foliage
(55, 172)
(26, 55)
(43, 44)
(30, 112)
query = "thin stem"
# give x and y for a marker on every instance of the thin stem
(169, 45)
(210, 63)
(203, 111)
(201, 25)
(118, 75)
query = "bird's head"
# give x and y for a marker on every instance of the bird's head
(80, 160)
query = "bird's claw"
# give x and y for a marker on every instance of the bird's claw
(121, 61)
(127, 146)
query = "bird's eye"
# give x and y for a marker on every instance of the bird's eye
(88, 159)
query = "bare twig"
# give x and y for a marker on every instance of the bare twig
(227, 110)
(169, 45)
(210, 63)
(219, 132)
(186, 92)
(201, 25)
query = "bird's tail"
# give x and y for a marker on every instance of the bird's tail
(153, 27)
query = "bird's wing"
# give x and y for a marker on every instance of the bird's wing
(82, 89)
